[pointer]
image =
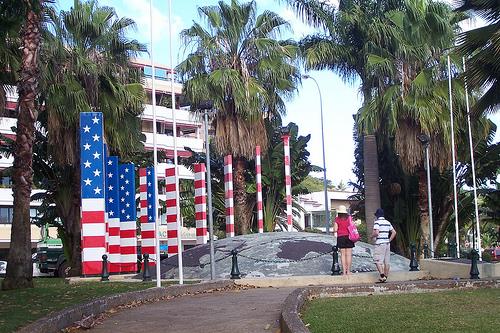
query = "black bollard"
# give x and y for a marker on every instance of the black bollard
(105, 272)
(146, 275)
(426, 251)
(413, 258)
(235, 271)
(335, 264)
(474, 271)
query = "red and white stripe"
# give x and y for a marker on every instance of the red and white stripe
(128, 246)
(228, 186)
(93, 235)
(147, 227)
(288, 181)
(171, 216)
(114, 244)
(200, 203)
(258, 172)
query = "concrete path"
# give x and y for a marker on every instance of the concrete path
(245, 311)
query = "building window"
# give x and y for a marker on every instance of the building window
(6, 181)
(147, 126)
(6, 215)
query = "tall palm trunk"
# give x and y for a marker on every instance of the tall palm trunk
(372, 189)
(19, 268)
(242, 214)
(69, 211)
(423, 207)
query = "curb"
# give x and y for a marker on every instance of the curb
(57, 321)
(290, 321)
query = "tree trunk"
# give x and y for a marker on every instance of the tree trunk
(443, 219)
(69, 211)
(372, 188)
(19, 268)
(423, 208)
(242, 216)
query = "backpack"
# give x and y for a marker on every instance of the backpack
(353, 231)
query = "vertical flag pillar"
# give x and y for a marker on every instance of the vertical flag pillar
(113, 213)
(171, 204)
(288, 180)
(128, 213)
(258, 173)
(228, 187)
(148, 210)
(93, 226)
(200, 203)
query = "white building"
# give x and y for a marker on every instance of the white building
(313, 204)
(189, 134)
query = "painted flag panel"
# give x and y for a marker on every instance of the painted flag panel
(148, 212)
(229, 201)
(92, 192)
(171, 215)
(200, 203)
(288, 181)
(128, 212)
(113, 213)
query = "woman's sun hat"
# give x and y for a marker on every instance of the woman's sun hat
(342, 209)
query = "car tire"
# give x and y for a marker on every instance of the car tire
(63, 270)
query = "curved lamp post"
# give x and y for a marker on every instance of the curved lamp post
(207, 106)
(425, 140)
(325, 185)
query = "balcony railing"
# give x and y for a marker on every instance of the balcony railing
(164, 141)
(165, 114)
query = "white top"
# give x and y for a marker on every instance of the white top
(383, 226)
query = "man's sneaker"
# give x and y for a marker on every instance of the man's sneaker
(382, 278)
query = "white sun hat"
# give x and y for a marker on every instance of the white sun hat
(342, 209)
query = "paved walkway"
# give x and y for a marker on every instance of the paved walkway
(245, 311)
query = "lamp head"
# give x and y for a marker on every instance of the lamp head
(206, 105)
(285, 131)
(424, 139)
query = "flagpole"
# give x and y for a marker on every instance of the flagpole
(155, 154)
(478, 232)
(457, 238)
(174, 120)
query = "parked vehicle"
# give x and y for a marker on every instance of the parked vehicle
(3, 268)
(50, 257)
(495, 253)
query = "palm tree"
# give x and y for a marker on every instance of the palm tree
(411, 93)
(19, 269)
(481, 47)
(237, 62)
(342, 47)
(87, 68)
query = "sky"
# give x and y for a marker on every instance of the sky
(340, 101)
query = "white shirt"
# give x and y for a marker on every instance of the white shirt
(383, 226)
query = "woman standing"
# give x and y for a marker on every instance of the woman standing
(343, 242)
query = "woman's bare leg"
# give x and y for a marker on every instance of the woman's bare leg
(343, 256)
(348, 260)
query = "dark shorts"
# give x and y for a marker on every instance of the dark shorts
(343, 242)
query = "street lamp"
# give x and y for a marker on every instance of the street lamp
(425, 140)
(207, 106)
(325, 186)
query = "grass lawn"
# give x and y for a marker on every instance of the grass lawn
(20, 307)
(447, 311)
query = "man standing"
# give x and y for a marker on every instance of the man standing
(384, 233)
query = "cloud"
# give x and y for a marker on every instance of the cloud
(138, 10)
(299, 28)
